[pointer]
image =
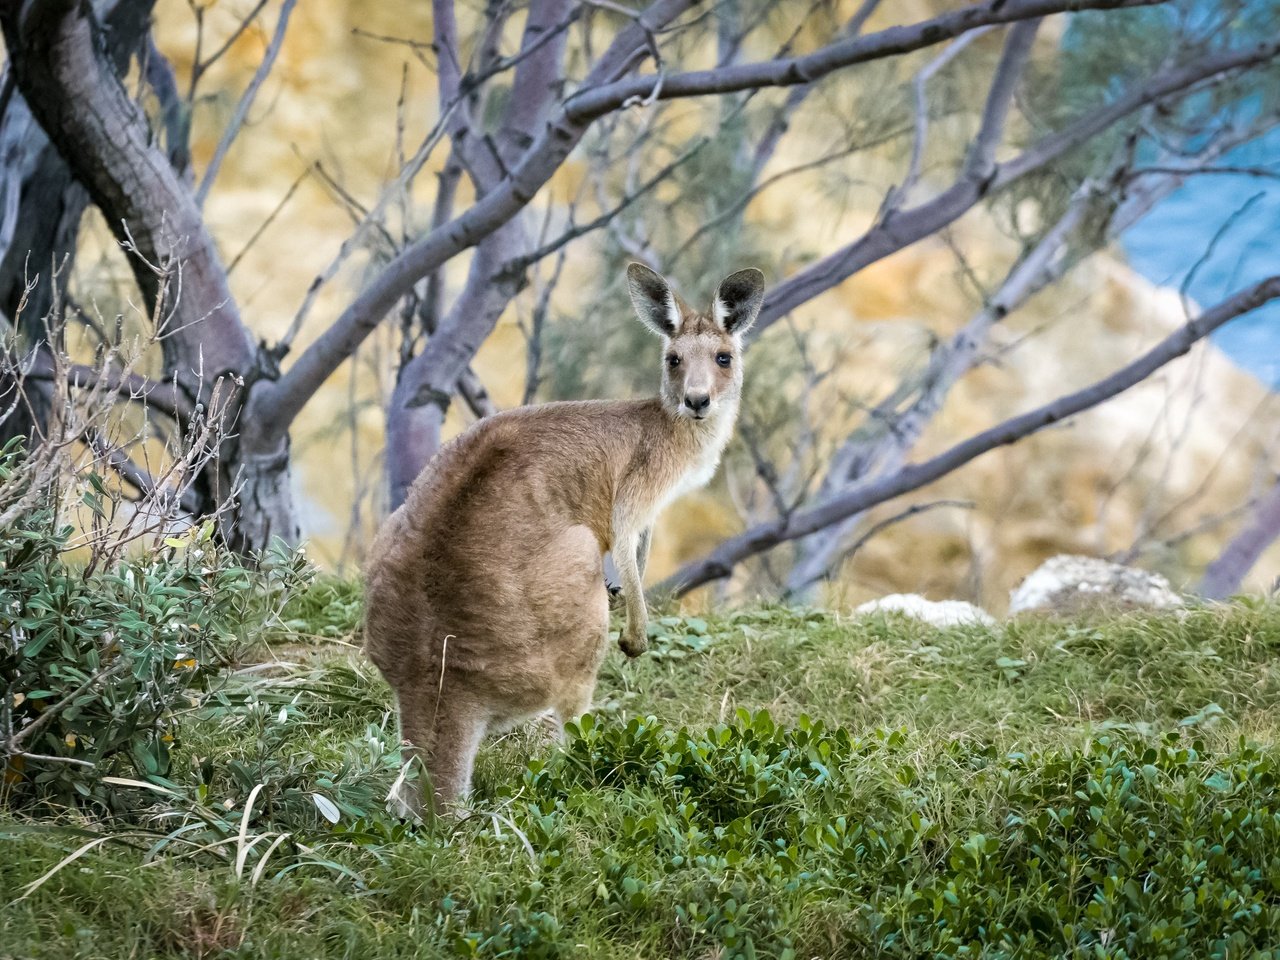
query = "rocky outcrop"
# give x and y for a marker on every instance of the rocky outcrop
(1067, 584)
(938, 613)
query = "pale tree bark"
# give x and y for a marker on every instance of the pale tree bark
(1225, 575)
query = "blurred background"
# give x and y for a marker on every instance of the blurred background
(1119, 240)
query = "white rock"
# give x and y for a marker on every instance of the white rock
(1068, 582)
(938, 613)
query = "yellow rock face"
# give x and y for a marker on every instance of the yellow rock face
(1147, 467)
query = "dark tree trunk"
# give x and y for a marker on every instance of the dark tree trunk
(41, 208)
(41, 205)
(73, 89)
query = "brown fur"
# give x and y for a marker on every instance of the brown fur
(486, 596)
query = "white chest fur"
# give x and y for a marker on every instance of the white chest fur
(703, 467)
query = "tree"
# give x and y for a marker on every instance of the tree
(1225, 575)
(505, 144)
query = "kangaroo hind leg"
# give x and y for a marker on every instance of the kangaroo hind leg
(439, 741)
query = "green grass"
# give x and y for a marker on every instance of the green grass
(765, 783)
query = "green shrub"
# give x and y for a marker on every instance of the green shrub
(1119, 847)
(97, 665)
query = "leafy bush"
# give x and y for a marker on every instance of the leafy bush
(97, 665)
(1116, 848)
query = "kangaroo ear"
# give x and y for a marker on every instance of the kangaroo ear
(653, 300)
(738, 300)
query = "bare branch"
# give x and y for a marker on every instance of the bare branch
(721, 562)
(246, 101)
(1223, 577)
(533, 351)
(579, 230)
(880, 526)
(781, 121)
(905, 227)
(861, 16)
(741, 203)
(894, 432)
(161, 395)
(150, 488)
(270, 218)
(537, 80)
(448, 57)
(981, 160)
(1212, 247)
(174, 118)
(199, 66)
(592, 102)
(1228, 170)
(931, 69)
(564, 130)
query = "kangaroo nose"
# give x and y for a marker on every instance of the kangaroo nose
(697, 402)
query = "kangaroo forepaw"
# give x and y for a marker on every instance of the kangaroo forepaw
(633, 646)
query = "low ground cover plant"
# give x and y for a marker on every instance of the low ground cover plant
(793, 783)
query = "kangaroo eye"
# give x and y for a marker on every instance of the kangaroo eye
(723, 359)
(673, 361)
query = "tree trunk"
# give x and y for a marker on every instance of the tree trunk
(1224, 576)
(263, 505)
(421, 398)
(41, 205)
(56, 50)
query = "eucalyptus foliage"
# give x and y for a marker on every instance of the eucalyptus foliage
(98, 664)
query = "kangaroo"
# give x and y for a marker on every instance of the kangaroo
(486, 597)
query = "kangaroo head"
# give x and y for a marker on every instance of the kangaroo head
(701, 368)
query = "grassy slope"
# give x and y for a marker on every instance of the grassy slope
(1040, 789)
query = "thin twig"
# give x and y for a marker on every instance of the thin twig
(271, 217)
(199, 66)
(246, 101)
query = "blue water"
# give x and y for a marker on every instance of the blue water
(1243, 213)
